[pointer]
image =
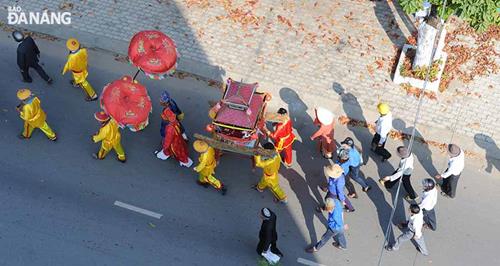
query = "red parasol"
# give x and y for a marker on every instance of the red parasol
(127, 102)
(154, 53)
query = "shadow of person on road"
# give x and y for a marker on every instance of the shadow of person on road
(387, 20)
(308, 158)
(299, 186)
(376, 195)
(420, 148)
(353, 110)
(305, 148)
(492, 151)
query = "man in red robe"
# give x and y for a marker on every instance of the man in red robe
(173, 143)
(283, 137)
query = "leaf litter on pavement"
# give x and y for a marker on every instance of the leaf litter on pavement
(398, 135)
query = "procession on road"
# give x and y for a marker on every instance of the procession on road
(240, 123)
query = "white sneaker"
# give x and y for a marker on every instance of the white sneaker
(188, 164)
(162, 156)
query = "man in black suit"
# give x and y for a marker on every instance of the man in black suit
(27, 56)
(268, 235)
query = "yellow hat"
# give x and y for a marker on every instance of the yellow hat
(72, 44)
(23, 94)
(101, 116)
(383, 108)
(200, 146)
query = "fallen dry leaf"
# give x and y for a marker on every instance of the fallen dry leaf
(398, 135)
(379, 63)
(370, 70)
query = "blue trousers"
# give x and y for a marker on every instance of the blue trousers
(354, 174)
(337, 235)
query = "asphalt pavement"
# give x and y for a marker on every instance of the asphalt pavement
(58, 203)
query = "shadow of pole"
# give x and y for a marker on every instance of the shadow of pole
(353, 109)
(387, 20)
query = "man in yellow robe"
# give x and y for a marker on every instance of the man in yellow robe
(31, 112)
(77, 63)
(271, 167)
(206, 166)
(109, 135)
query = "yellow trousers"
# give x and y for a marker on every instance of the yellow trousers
(81, 80)
(273, 185)
(118, 149)
(210, 179)
(85, 85)
(45, 128)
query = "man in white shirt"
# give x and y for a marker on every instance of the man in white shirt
(412, 230)
(383, 127)
(404, 170)
(429, 200)
(451, 175)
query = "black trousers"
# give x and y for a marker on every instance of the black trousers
(430, 219)
(38, 68)
(406, 184)
(449, 185)
(380, 150)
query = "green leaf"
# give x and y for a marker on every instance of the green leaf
(480, 14)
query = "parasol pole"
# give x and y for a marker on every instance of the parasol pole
(136, 73)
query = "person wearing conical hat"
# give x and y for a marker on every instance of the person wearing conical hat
(206, 166)
(110, 137)
(325, 121)
(270, 179)
(383, 127)
(283, 137)
(77, 64)
(335, 186)
(30, 110)
(173, 143)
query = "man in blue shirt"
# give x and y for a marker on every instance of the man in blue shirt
(335, 228)
(336, 185)
(354, 164)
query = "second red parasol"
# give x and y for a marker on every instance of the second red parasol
(153, 52)
(127, 102)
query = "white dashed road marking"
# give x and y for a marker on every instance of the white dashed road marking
(137, 209)
(308, 262)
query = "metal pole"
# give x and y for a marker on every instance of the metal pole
(136, 73)
(412, 138)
